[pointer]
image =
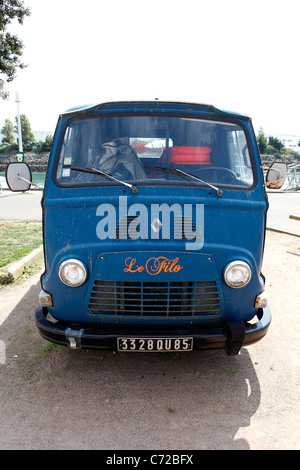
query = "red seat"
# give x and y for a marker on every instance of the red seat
(188, 156)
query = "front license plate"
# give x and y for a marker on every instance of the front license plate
(155, 344)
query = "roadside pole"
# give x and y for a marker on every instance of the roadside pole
(20, 155)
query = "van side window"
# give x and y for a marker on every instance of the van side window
(240, 159)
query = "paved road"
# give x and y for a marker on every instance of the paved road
(21, 205)
(282, 205)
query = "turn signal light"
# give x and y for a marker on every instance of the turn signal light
(261, 300)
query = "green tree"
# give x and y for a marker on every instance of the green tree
(46, 145)
(27, 135)
(8, 132)
(11, 47)
(276, 143)
(262, 141)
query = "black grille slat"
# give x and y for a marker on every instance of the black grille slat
(154, 298)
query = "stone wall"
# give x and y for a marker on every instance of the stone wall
(37, 163)
(267, 160)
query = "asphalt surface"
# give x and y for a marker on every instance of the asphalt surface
(282, 205)
(24, 206)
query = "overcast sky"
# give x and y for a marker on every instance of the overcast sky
(237, 55)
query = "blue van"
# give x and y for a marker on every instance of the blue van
(154, 219)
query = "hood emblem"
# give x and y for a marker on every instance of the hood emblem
(156, 225)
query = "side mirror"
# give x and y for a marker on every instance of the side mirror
(276, 175)
(18, 176)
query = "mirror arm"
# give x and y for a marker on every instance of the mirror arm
(27, 181)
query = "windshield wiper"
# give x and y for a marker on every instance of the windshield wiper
(102, 173)
(176, 171)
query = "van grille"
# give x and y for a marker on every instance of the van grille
(154, 299)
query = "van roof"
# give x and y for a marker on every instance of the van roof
(155, 105)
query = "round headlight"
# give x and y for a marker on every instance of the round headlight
(237, 274)
(72, 272)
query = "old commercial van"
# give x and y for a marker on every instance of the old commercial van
(154, 218)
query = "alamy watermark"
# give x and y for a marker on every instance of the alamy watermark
(159, 221)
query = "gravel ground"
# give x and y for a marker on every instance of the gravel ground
(57, 398)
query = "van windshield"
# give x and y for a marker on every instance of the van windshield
(142, 149)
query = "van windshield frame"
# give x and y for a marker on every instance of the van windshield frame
(217, 150)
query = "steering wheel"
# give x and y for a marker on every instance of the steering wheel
(229, 174)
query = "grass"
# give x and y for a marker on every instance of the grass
(18, 238)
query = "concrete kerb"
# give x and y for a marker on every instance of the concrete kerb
(282, 231)
(14, 270)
